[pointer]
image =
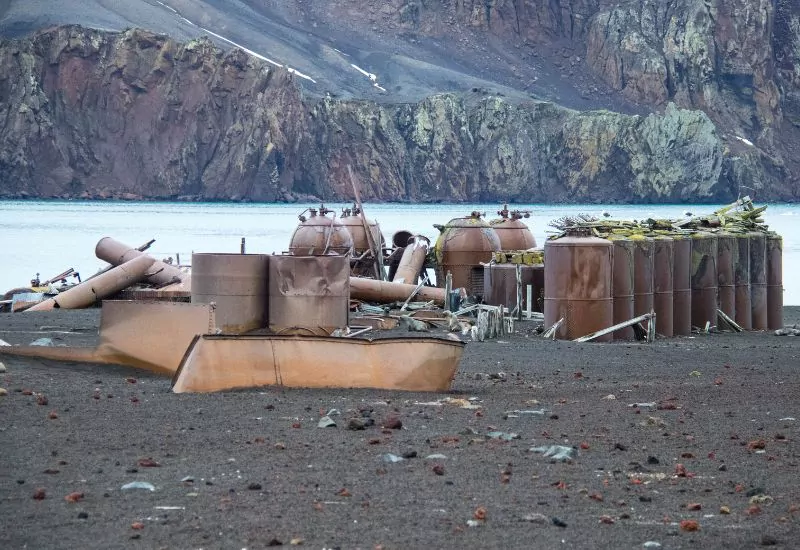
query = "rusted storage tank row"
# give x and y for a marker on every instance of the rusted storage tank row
(622, 285)
(774, 281)
(726, 248)
(758, 280)
(681, 286)
(308, 294)
(663, 265)
(741, 281)
(642, 274)
(500, 285)
(237, 284)
(578, 284)
(319, 235)
(512, 231)
(351, 220)
(463, 245)
(704, 279)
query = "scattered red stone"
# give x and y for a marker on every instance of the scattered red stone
(374, 441)
(687, 455)
(608, 520)
(318, 506)
(718, 381)
(296, 425)
(134, 399)
(27, 392)
(694, 506)
(39, 494)
(438, 469)
(137, 525)
(52, 415)
(480, 513)
(392, 423)
(753, 510)
(584, 445)
(560, 485)
(712, 455)
(148, 463)
(690, 525)
(74, 497)
(596, 496)
(131, 380)
(667, 406)
(578, 375)
(680, 470)
(343, 492)
(41, 399)
(757, 445)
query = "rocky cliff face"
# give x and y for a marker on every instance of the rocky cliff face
(85, 113)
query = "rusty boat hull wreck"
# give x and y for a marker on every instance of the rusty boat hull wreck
(225, 362)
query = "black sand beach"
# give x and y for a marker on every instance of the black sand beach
(710, 446)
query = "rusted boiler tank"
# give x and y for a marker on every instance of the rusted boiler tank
(512, 231)
(319, 234)
(463, 244)
(351, 220)
(578, 283)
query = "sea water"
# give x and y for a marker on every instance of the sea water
(49, 237)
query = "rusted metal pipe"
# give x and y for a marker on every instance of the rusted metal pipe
(90, 292)
(371, 290)
(117, 253)
(774, 281)
(412, 260)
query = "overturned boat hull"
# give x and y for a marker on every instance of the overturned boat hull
(220, 362)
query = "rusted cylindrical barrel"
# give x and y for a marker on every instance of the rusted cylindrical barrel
(308, 294)
(704, 279)
(758, 280)
(500, 285)
(774, 281)
(355, 226)
(643, 275)
(320, 235)
(681, 286)
(623, 284)
(237, 284)
(578, 284)
(372, 290)
(513, 234)
(117, 253)
(88, 293)
(741, 282)
(412, 260)
(463, 245)
(726, 279)
(663, 270)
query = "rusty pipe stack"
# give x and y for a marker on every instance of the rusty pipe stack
(117, 253)
(412, 260)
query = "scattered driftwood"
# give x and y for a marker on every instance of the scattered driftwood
(636, 320)
(551, 332)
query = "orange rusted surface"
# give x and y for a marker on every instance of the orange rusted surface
(726, 277)
(351, 220)
(237, 284)
(117, 253)
(643, 251)
(623, 285)
(93, 290)
(663, 269)
(309, 292)
(741, 281)
(465, 243)
(513, 233)
(774, 281)
(320, 234)
(681, 286)
(215, 363)
(578, 284)
(758, 281)
(412, 260)
(372, 290)
(704, 279)
(500, 285)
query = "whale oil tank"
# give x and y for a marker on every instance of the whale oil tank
(351, 219)
(644, 248)
(578, 284)
(319, 235)
(623, 284)
(512, 231)
(704, 279)
(663, 270)
(758, 280)
(682, 286)
(741, 281)
(463, 245)
(726, 281)
(774, 281)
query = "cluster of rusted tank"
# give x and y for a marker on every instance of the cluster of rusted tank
(685, 278)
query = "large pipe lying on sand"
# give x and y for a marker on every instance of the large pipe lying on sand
(372, 290)
(412, 260)
(110, 282)
(117, 253)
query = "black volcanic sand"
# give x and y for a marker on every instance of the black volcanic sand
(713, 441)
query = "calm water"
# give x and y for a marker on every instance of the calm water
(48, 237)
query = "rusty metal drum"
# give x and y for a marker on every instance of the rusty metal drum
(643, 251)
(681, 286)
(412, 260)
(704, 279)
(774, 281)
(308, 294)
(726, 278)
(237, 284)
(663, 284)
(741, 282)
(514, 234)
(578, 283)
(319, 235)
(623, 284)
(463, 245)
(355, 226)
(758, 280)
